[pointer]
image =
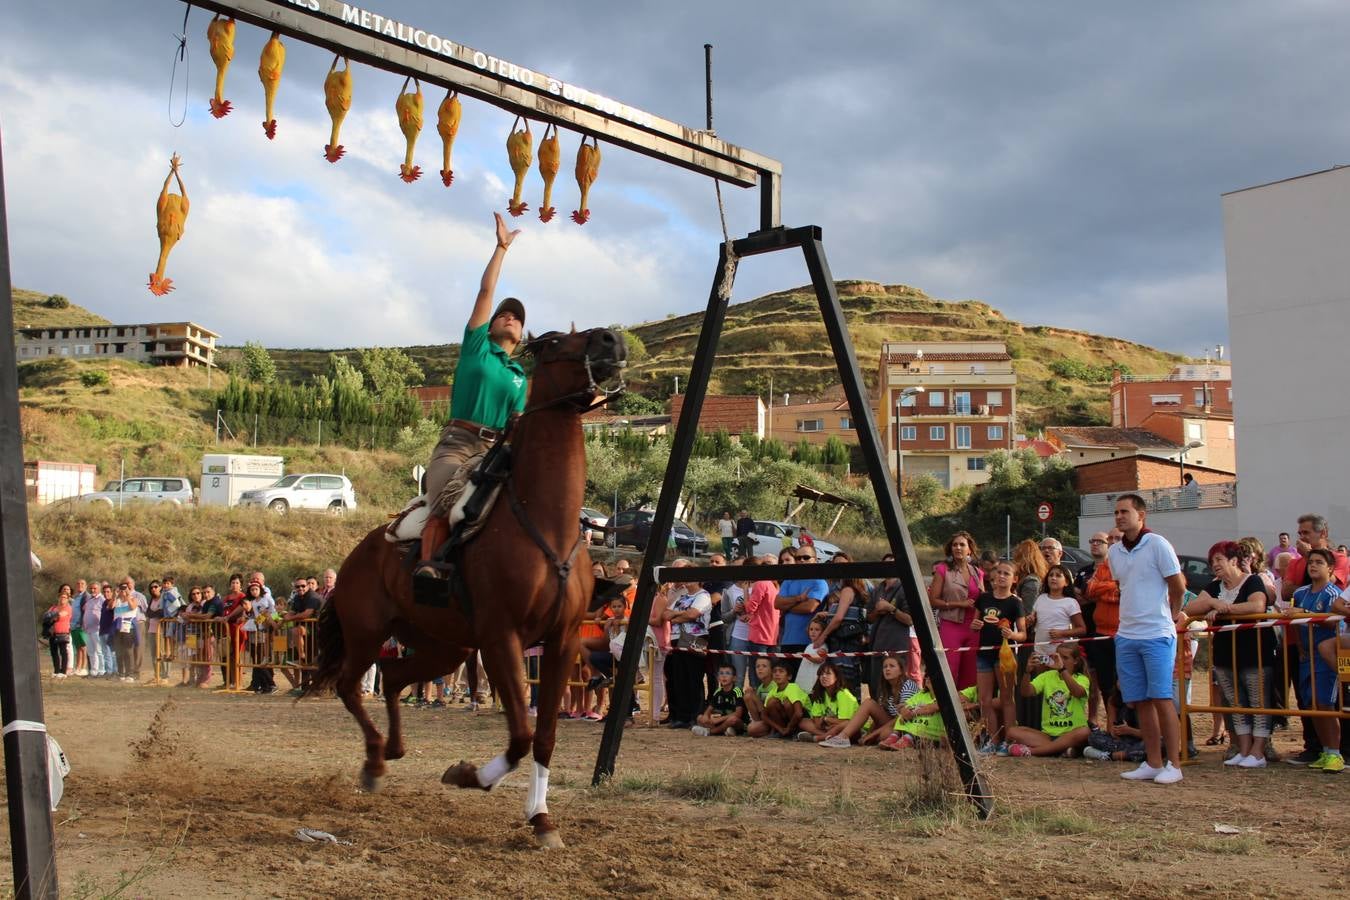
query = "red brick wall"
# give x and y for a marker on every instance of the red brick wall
(1138, 473)
(1136, 404)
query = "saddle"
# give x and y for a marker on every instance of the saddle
(467, 518)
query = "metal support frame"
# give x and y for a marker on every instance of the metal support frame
(906, 566)
(516, 89)
(31, 839)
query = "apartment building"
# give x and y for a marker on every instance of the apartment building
(813, 419)
(943, 406)
(1189, 390)
(180, 344)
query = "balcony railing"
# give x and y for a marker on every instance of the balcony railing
(1198, 496)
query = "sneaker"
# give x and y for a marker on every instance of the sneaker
(592, 716)
(806, 737)
(838, 742)
(1170, 774)
(1145, 772)
(988, 748)
(1094, 753)
(699, 731)
(439, 704)
(1320, 762)
(1255, 762)
(1019, 750)
(1003, 748)
(1237, 760)
(906, 742)
(890, 741)
(1307, 757)
(1334, 764)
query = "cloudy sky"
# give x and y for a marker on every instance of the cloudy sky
(1061, 161)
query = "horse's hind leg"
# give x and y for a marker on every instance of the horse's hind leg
(559, 651)
(502, 662)
(428, 660)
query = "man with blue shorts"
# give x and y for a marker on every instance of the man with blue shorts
(1151, 586)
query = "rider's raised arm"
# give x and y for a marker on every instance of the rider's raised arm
(482, 306)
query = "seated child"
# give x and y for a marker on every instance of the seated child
(725, 712)
(754, 701)
(1064, 691)
(830, 705)
(874, 717)
(920, 719)
(784, 705)
(1122, 741)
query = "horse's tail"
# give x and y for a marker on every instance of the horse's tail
(331, 648)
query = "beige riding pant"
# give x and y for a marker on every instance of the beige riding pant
(455, 456)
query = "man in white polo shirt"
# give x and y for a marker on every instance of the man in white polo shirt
(1151, 586)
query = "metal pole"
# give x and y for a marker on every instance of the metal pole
(707, 81)
(1007, 536)
(31, 840)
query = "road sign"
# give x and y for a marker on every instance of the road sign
(1044, 511)
(417, 473)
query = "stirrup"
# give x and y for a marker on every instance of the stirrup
(428, 569)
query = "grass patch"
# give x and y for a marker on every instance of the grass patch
(1045, 821)
(711, 787)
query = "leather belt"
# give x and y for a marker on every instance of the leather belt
(480, 431)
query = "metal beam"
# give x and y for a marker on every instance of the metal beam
(31, 841)
(537, 96)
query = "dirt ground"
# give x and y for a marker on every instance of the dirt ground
(185, 793)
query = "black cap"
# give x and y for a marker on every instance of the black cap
(513, 306)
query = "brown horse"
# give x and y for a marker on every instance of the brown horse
(528, 574)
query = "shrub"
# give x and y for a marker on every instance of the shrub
(56, 301)
(93, 378)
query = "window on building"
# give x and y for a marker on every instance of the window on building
(937, 432)
(846, 423)
(1165, 399)
(909, 433)
(1195, 431)
(937, 398)
(975, 463)
(994, 398)
(1199, 396)
(995, 432)
(909, 400)
(962, 437)
(810, 424)
(961, 400)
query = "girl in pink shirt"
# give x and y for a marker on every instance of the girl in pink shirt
(759, 606)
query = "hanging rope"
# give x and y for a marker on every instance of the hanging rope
(180, 55)
(729, 275)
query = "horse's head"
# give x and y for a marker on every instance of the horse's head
(572, 366)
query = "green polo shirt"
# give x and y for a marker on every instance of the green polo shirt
(489, 385)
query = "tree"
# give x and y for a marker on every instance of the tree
(631, 403)
(834, 453)
(390, 371)
(257, 364)
(637, 351)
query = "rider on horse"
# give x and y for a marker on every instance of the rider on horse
(489, 387)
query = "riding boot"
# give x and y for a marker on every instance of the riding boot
(435, 533)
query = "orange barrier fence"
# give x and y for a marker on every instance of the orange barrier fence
(1262, 660)
(197, 646)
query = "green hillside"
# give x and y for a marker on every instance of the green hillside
(33, 309)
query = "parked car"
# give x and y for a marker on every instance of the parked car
(151, 489)
(771, 537)
(332, 493)
(1196, 570)
(1075, 558)
(593, 523)
(633, 527)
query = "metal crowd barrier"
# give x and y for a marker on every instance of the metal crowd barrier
(202, 645)
(1281, 678)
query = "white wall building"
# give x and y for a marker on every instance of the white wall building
(1289, 326)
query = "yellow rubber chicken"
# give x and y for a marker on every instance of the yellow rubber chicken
(447, 126)
(171, 212)
(520, 150)
(409, 108)
(220, 35)
(269, 72)
(550, 161)
(588, 166)
(337, 96)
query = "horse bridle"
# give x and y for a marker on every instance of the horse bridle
(581, 401)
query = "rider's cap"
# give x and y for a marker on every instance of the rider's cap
(514, 307)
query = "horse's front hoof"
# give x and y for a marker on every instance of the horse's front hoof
(545, 834)
(462, 775)
(371, 783)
